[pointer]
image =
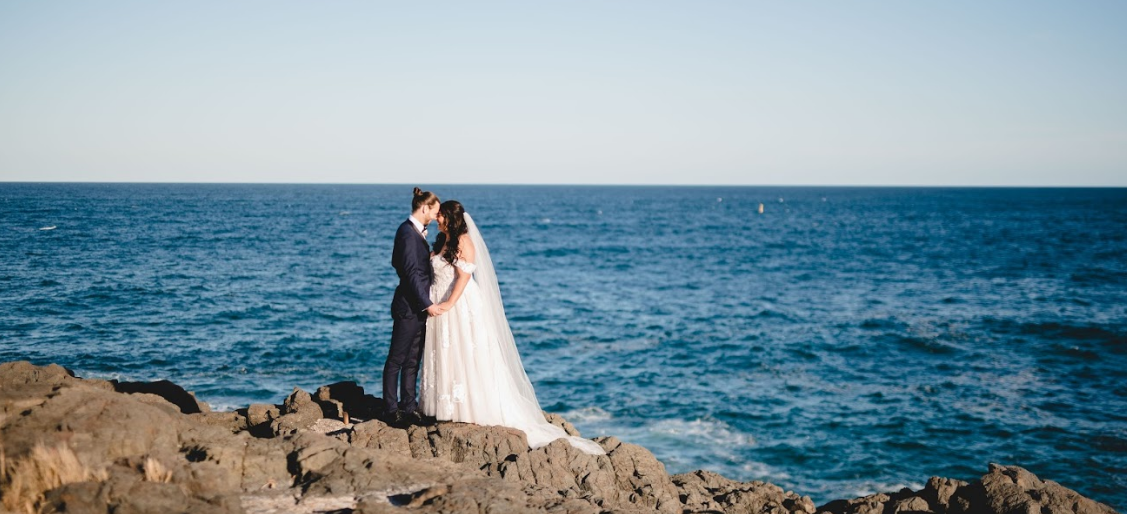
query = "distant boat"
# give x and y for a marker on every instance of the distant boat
(52, 227)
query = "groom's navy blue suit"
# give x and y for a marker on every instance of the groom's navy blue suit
(411, 259)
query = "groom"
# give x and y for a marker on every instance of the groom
(409, 310)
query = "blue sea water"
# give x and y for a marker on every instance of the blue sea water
(843, 342)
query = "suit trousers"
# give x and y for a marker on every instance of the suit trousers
(401, 371)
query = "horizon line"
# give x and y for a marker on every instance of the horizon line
(566, 184)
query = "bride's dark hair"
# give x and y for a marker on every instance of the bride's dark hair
(455, 217)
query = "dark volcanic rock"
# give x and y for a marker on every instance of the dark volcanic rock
(261, 413)
(1013, 490)
(377, 435)
(22, 373)
(174, 394)
(328, 466)
(939, 491)
(99, 425)
(110, 436)
(349, 398)
(559, 421)
(475, 445)
(640, 478)
(299, 412)
(1004, 490)
(140, 452)
(230, 421)
(706, 491)
(136, 497)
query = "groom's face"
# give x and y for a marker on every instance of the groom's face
(431, 212)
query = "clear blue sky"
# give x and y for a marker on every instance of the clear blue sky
(623, 92)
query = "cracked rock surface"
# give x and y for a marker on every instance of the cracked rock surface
(152, 447)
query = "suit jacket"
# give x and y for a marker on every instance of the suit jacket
(411, 259)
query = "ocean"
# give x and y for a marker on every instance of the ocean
(845, 341)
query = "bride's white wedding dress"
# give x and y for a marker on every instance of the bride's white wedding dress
(471, 368)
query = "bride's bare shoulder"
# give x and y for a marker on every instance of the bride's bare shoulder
(466, 250)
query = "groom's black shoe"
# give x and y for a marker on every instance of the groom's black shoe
(413, 418)
(403, 420)
(395, 419)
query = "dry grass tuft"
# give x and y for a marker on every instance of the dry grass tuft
(27, 479)
(156, 472)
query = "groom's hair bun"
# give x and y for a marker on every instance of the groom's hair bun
(422, 198)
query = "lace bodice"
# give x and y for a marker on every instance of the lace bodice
(443, 282)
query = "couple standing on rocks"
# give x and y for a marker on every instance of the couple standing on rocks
(449, 319)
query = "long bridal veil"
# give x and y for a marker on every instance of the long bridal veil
(524, 413)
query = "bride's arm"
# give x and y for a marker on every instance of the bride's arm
(461, 278)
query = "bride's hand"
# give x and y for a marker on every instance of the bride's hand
(439, 309)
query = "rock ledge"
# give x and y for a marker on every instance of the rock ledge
(92, 446)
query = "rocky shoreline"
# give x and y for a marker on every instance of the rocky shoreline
(84, 445)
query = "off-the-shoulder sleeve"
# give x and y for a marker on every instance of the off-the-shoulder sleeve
(467, 267)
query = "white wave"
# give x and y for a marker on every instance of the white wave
(868, 488)
(703, 431)
(116, 375)
(587, 415)
(224, 407)
(761, 471)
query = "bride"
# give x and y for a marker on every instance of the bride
(472, 371)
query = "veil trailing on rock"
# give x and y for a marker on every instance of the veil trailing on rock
(525, 414)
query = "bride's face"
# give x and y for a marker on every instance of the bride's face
(441, 221)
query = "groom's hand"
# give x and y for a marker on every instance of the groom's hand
(434, 310)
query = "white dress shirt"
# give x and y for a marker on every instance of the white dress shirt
(418, 226)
